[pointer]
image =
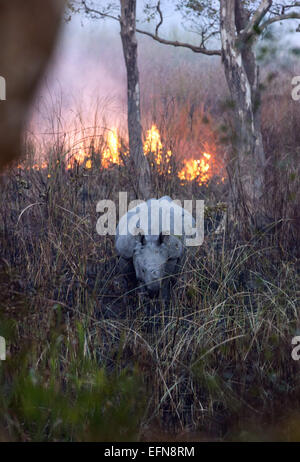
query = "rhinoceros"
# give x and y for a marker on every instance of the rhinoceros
(151, 240)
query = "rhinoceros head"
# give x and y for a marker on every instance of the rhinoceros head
(151, 255)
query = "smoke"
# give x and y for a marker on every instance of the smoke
(87, 75)
(85, 86)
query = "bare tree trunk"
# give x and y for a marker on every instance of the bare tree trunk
(246, 168)
(129, 42)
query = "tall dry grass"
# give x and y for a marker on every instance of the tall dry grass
(90, 360)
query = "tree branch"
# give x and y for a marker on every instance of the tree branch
(280, 17)
(258, 15)
(155, 36)
(175, 43)
(89, 10)
(161, 17)
(286, 7)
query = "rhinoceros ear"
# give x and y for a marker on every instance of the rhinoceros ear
(173, 244)
(125, 245)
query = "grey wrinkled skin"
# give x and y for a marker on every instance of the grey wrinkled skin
(156, 259)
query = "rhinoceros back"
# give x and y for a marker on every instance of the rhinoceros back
(158, 216)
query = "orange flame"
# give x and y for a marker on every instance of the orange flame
(88, 164)
(154, 145)
(196, 169)
(77, 158)
(35, 166)
(193, 169)
(111, 154)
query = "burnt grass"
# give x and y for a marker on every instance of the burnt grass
(88, 358)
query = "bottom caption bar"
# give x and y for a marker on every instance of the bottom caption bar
(136, 450)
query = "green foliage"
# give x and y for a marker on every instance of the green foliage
(199, 8)
(45, 398)
(295, 51)
(257, 29)
(200, 16)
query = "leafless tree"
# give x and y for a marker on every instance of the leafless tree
(129, 42)
(239, 24)
(127, 20)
